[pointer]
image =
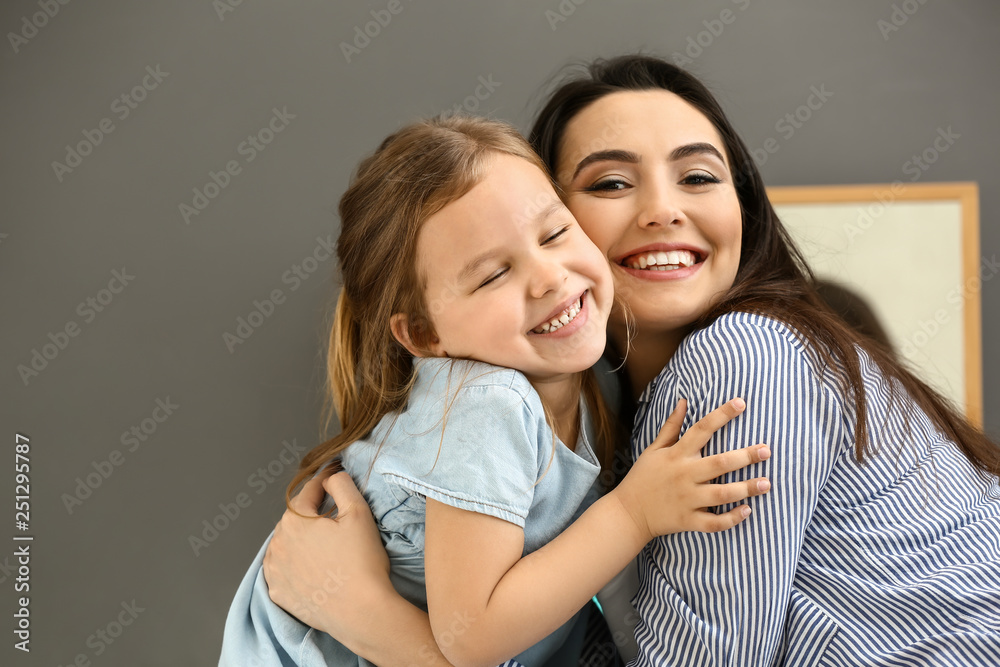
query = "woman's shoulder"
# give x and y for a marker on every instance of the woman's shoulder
(741, 334)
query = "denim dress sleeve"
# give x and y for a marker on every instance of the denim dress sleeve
(474, 437)
(259, 633)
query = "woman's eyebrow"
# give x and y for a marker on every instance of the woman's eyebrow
(687, 150)
(606, 156)
(617, 155)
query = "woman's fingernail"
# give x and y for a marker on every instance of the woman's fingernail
(738, 403)
(763, 486)
(764, 452)
(746, 512)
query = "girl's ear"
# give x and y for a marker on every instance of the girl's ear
(401, 327)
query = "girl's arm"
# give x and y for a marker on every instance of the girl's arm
(364, 612)
(487, 603)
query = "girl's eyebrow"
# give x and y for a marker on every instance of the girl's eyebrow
(469, 270)
(539, 218)
(617, 155)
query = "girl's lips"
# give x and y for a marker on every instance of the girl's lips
(558, 310)
(570, 327)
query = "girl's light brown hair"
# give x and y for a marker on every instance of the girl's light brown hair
(415, 173)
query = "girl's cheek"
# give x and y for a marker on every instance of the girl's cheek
(617, 317)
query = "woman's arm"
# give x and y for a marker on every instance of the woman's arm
(486, 602)
(333, 574)
(724, 598)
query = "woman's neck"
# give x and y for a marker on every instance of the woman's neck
(561, 398)
(645, 354)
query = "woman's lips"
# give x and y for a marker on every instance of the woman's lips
(652, 273)
(662, 261)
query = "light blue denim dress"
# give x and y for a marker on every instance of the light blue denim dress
(473, 436)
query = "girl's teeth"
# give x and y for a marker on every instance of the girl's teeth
(565, 318)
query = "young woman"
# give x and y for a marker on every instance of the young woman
(473, 307)
(880, 542)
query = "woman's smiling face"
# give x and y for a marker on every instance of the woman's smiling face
(658, 199)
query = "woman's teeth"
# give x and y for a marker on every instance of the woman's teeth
(564, 318)
(662, 261)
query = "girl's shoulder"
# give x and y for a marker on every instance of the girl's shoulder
(473, 383)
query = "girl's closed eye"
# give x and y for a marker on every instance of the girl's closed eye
(554, 236)
(496, 275)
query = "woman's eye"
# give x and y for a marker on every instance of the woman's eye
(608, 184)
(555, 235)
(493, 278)
(700, 178)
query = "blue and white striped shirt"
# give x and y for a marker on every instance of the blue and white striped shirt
(893, 562)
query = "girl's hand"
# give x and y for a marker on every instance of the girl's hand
(329, 573)
(670, 489)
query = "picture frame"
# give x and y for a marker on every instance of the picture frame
(911, 251)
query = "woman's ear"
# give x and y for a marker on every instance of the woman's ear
(401, 327)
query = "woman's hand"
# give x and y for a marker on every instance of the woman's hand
(329, 572)
(670, 489)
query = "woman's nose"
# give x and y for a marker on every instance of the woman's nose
(659, 207)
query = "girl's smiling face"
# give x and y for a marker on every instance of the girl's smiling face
(511, 279)
(658, 200)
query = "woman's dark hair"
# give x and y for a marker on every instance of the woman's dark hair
(773, 279)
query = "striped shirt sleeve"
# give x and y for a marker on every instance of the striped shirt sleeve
(722, 599)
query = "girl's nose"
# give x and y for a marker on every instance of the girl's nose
(547, 276)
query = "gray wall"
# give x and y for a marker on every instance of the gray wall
(160, 337)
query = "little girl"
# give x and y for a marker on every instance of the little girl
(473, 307)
